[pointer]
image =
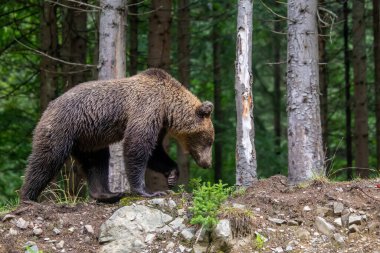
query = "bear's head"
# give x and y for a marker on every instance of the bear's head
(198, 137)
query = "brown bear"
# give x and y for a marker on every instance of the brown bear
(138, 110)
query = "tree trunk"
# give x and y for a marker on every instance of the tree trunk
(323, 82)
(246, 164)
(184, 76)
(277, 84)
(360, 69)
(218, 114)
(347, 92)
(376, 49)
(305, 150)
(74, 49)
(159, 34)
(49, 45)
(159, 57)
(133, 36)
(112, 65)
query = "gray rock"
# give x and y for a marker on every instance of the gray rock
(302, 234)
(278, 250)
(292, 223)
(345, 218)
(355, 219)
(277, 221)
(306, 209)
(71, 229)
(30, 247)
(60, 244)
(338, 208)
(353, 228)
(177, 223)
(172, 204)
(339, 238)
(126, 229)
(170, 245)
(289, 248)
(323, 211)
(222, 230)
(89, 229)
(338, 221)
(202, 235)
(324, 227)
(13, 231)
(37, 231)
(238, 206)
(187, 234)
(149, 238)
(56, 231)
(21, 223)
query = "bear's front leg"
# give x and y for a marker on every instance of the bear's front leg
(139, 142)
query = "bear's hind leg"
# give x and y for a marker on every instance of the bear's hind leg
(95, 165)
(43, 165)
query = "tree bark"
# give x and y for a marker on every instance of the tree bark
(133, 36)
(159, 57)
(360, 69)
(376, 49)
(246, 164)
(305, 150)
(218, 114)
(112, 65)
(159, 34)
(49, 45)
(347, 92)
(184, 76)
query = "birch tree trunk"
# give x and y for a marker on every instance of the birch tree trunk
(49, 45)
(376, 49)
(133, 35)
(246, 164)
(112, 65)
(305, 150)
(360, 106)
(347, 92)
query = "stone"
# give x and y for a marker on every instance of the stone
(278, 250)
(177, 224)
(222, 230)
(292, 223)
(339, 238)
(238, 206)
(149, 238)
(56, 231)
(89, 229)
(172, 204)
(338, 221)
(289, 248)
(324, 227)
(202, 235)
(353, 228)
(181, 248)
(60, 244)
(277, 221)
(13, 231)
(71, 229)
(21, 223)
(37, 231)
(187, 234)
(31, 247)
(306, 209)
(345, 218)
(338, 208)
(302, 234)
(181, 212)
(355, 219)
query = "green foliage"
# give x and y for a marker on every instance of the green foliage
(206, 203)
(29, 249)
(9, 206)
(259, 242)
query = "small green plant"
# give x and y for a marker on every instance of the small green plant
(259, 242)
(9, 206)
(129, 200)
(29, 249)
(207, 199)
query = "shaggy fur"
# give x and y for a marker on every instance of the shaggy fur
(85, 120)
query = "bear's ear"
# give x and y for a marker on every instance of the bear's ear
(205, 109)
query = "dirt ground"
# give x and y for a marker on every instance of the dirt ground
(269, 198)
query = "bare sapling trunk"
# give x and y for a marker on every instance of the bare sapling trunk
(246, 164)
(112, 64)
(305, 150)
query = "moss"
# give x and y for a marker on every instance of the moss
(129, 200)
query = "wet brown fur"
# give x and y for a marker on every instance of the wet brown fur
(85, 120)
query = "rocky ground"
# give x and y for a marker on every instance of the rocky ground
(269, 217)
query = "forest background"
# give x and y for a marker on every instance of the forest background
(211, 56)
